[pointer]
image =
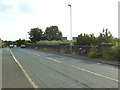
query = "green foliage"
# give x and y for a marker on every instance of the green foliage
(105, 54)
(93, 52)
(8, 43)
(28, 43)
(52, 33)
(35, 34)
(45, 42)
(115, 51)
(108, 53)
(105, 37)
(85, 39)
(88, 39)
(19, 42)
(65, 51)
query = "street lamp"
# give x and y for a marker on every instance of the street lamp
(70, 27)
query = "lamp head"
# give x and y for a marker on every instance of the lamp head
(69, 5)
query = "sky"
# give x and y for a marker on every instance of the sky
(17, 17)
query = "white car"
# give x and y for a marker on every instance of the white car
(11, 46)
(23, 46)
(15, 45)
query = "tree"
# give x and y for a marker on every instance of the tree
(86, 39)
(105, 37)
(19, 42)
(35, 34)
(52, 33)
(9, 42)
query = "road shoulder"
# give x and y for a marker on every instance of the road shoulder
(12, 75)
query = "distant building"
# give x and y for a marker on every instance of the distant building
(64, 38)
(74, 38)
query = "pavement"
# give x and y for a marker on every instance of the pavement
(12, 75)
(52, 70)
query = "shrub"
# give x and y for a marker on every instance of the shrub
(105, 54)
(115, 51)
(93, 52)
(45, 42)
(27, 43)
(108, 53)
(64, 51)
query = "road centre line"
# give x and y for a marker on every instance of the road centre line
(53, 59)
(28, 77)
(96, 73)
(36, 54)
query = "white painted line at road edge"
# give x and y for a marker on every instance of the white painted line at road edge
(53, 60)
(30, 80)
(96, 74)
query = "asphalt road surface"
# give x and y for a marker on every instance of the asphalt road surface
(12, 75)
(49, 70)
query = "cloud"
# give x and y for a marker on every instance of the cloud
(5, 6)
(25, 7)
(16, 6)
(15, 10)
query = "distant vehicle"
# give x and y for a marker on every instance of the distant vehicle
(15, 45)
(11, 46)
(23, 46)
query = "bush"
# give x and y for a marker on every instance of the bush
(64, 51)
(115, 51)
(93, 52)
(45, 42)
(108, 53)
(27, 43)
(105, 54)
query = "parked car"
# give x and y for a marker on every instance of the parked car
(15, 45)
(23, 46)
(11, 46)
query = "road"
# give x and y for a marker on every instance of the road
(49, 70)
(12, 75)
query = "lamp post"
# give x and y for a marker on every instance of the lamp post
(70, 27)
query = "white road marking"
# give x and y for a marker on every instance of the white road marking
(30, 80)
(87, 71)
(53, 59)
(70, 65)
(36, 54)
(95, 73)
